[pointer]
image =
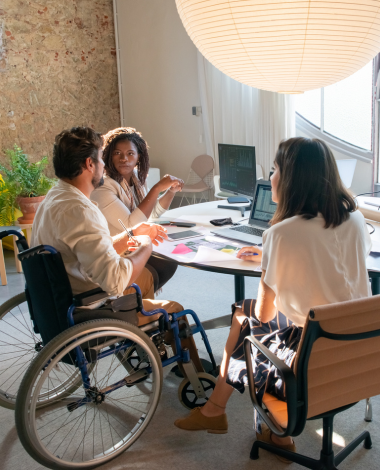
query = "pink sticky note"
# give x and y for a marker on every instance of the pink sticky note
(181, 249)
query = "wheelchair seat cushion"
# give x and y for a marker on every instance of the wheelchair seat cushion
(81, 315)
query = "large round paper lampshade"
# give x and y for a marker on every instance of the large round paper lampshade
(286, 46)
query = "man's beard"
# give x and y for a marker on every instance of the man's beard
(97, 182)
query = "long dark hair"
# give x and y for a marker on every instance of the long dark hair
(310, 183)
(110, 141)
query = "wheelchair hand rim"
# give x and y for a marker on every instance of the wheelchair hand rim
(33, 436)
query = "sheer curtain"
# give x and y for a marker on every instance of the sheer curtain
(234, 113)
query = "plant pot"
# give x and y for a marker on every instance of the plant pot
(28, 206)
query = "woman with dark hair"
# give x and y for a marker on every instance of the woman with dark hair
(313, 254)
(125, 194)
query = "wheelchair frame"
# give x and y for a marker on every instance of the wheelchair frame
(84, 358)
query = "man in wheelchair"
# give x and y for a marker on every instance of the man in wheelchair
(70, 222)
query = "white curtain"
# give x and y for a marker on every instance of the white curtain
(234, 113)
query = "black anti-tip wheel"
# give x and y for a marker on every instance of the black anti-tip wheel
(187, 395)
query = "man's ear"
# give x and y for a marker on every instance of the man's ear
(89, 164)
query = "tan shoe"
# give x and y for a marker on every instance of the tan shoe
(196, 421)
(266, 436)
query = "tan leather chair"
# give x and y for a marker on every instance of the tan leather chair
(337, 365)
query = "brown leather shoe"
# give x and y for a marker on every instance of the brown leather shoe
(196, 421)
(266, 436)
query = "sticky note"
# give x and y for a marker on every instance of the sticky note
(228, 250)
(181, 249)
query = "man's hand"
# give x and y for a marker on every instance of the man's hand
(250, 253)
(157, 233)
(143, 240)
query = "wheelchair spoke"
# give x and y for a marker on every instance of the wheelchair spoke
(126, 404)
(23, 366)
(100, 421)
(25, 325)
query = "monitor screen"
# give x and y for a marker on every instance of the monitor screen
(237, 166)
(263, 207)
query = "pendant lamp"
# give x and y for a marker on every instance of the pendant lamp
(286, 46)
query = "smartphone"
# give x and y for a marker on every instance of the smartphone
(161, 222)
(183, 224)
(186, 234)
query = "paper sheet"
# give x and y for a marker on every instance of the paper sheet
(181, 249)
(209, 255)
(375, 246)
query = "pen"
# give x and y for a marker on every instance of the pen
(129, 233)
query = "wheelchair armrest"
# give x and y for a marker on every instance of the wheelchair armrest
(35, 251)
(290, 385)
(89, 297)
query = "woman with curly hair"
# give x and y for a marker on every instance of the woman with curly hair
(125, 194)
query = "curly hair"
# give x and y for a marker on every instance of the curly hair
(71, 149)
(117, 135)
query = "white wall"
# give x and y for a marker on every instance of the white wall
(159, 82)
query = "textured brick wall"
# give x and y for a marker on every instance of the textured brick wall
(57, 70)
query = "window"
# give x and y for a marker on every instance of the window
(342, 110)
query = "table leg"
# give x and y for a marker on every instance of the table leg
(28, 235)
(3, 273)
(239, 288)
(375, 285)
(18, 262)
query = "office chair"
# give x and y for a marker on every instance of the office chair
(337, 365)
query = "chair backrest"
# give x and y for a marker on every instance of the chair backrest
(259, 171)
(48, 293)
(338, 360)
(202, 165)
(217, 187)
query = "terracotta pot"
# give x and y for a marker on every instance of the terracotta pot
(28, 206)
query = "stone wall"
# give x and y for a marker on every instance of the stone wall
(57, 70)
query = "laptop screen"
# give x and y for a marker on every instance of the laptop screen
(263, 207)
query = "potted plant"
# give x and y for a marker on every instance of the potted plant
(24, 185)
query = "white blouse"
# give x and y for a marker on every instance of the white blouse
(307, 265)
(113, 202)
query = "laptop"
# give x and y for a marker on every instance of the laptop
(262, 211)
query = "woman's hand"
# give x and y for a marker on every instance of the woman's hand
(170, 182)
(250, 253)
(156, 232)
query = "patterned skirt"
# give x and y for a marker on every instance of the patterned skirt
(280, 336)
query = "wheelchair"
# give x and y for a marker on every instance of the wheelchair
(85, 389)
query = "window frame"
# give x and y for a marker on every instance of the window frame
(342, 146)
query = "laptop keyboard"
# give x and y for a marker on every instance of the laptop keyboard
(248, 229)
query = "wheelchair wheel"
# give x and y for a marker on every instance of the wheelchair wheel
(187, 395)
(19, 344)
(135, 359)
(93, 426)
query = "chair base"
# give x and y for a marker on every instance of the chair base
(327, 461)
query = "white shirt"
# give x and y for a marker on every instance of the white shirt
(114, 204)
(73, 225)
(308, 265)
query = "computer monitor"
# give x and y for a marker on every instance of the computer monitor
(237, 167)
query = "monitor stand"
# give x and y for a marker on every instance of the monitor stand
(242, 209)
